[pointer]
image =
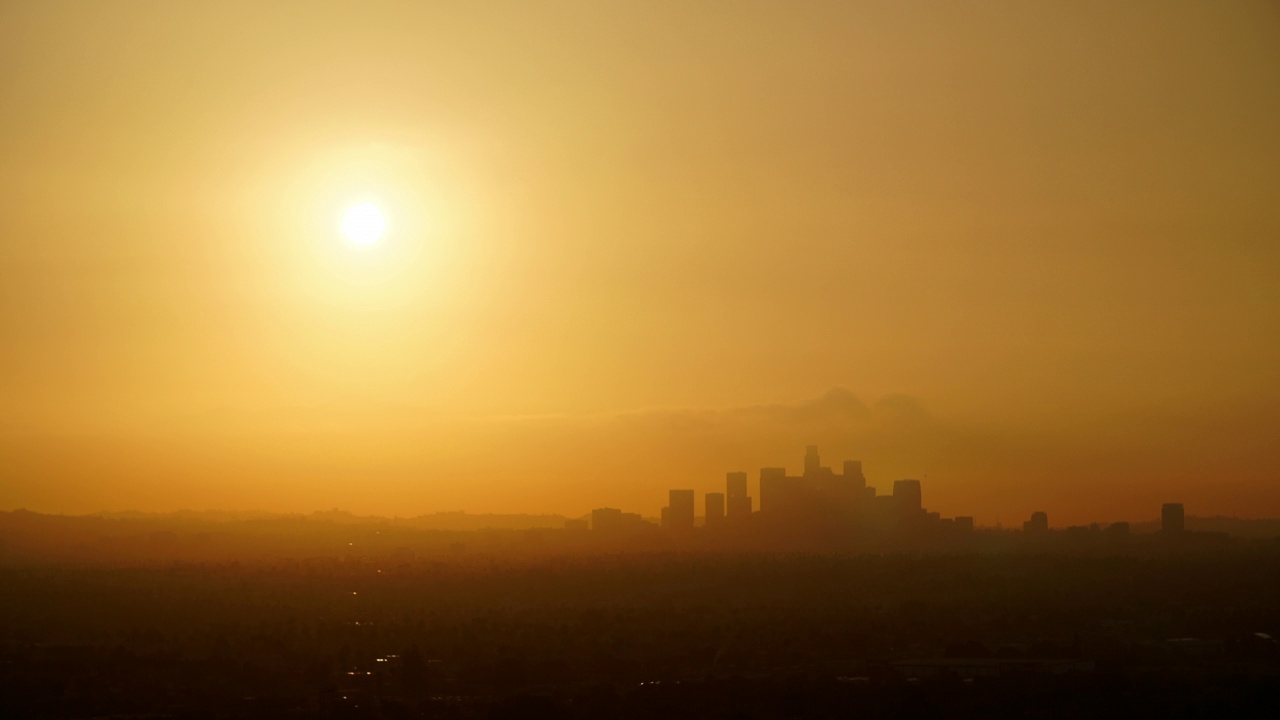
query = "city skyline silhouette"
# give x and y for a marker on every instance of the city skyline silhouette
(729, 359)
(543, 260)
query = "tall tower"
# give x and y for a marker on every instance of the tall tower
(736, 484)
(773, 490)
(715, 508)
(811, 461)
(853, 474)
(906, 493)
(680, 514)
(1172, 519)
(738, 503)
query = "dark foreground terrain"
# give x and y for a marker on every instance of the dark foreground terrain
(648, 635)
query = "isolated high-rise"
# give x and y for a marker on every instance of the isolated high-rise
(738, 503)
(680, 513)
(714, 509)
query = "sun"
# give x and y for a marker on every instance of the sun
(363, 223)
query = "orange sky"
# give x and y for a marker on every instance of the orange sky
(634, 245)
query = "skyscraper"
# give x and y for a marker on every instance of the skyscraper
(1038, 524)
(811, 461)
(853, 474)
(1172, 519)
(906, 493)
(736, 484)
(773, 489)
(715, 509)
(738, 502)
(680, 516)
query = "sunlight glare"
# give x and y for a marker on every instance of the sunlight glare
(363, 224)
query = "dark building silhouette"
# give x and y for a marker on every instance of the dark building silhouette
(853, 473)
(907, 495)
(1172, 518)
(612, 521)
(714, 509)
(738, 502)
(841, 505)
(1038, 524)
(606, 520)
(817, 506)
(773, 488)
(818, 492)
(680, 510)
(812, 462)
(883, 513)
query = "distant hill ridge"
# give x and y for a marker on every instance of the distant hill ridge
(450, 520)
(459, 520)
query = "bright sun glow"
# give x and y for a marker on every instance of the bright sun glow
(363, 223)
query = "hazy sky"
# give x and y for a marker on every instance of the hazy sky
(633, 245)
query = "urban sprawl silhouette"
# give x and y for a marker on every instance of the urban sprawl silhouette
(828, 600)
